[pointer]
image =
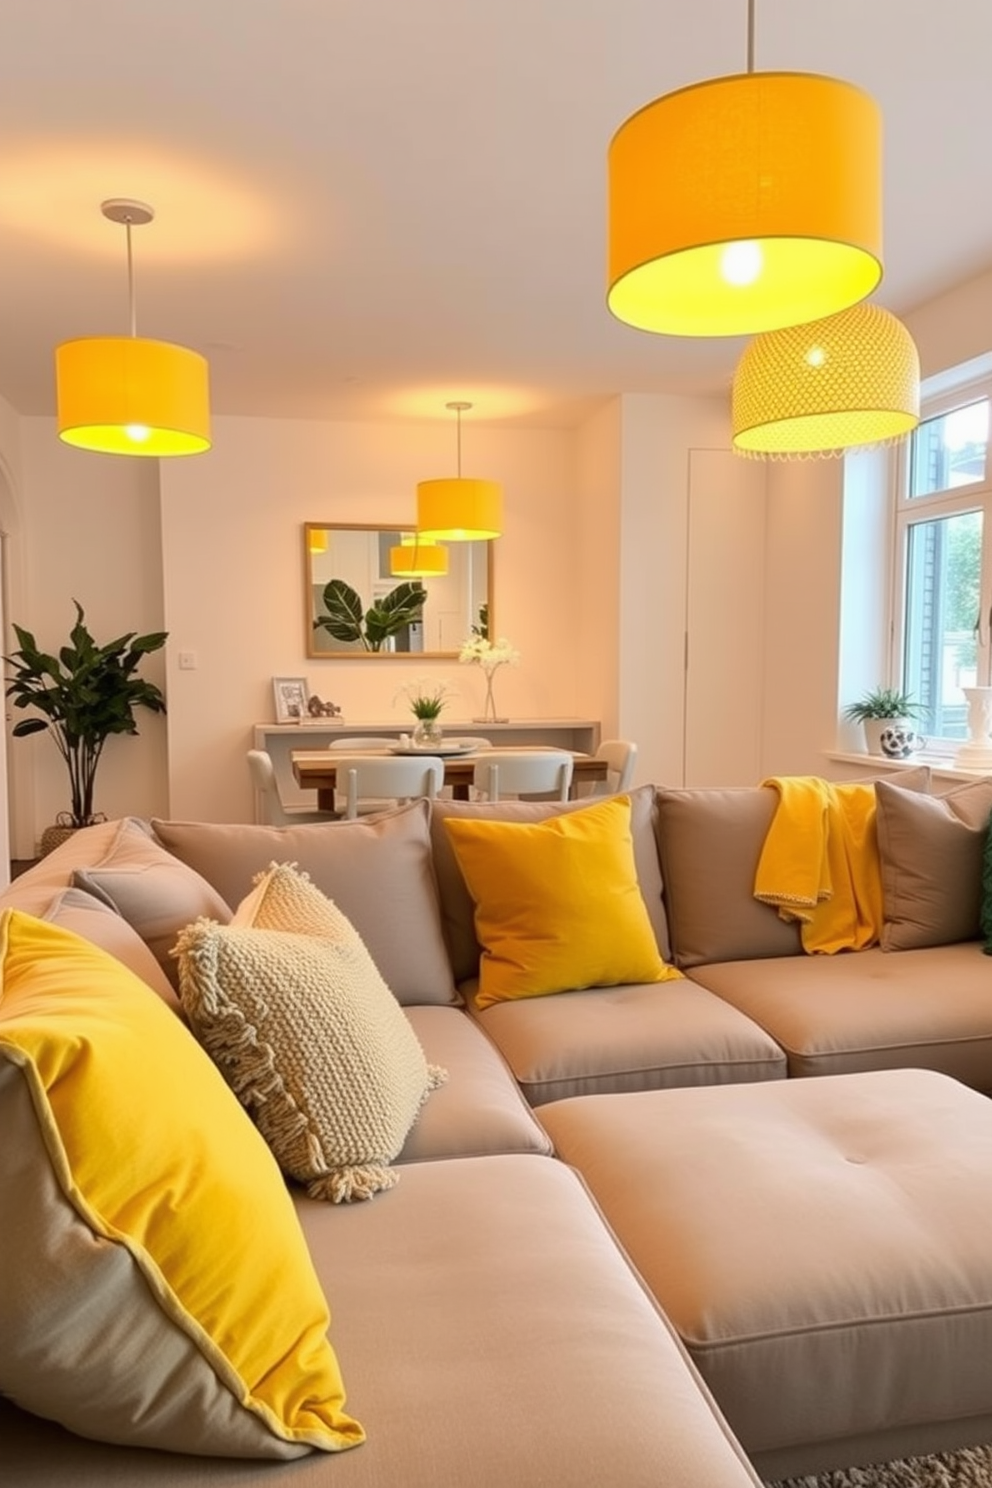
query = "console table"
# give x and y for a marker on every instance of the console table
(579, 735)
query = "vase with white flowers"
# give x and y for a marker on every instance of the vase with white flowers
(477, 650)
(426, 701)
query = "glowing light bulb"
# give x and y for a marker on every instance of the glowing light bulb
(816, 356)
(137, 433)
(741, 263)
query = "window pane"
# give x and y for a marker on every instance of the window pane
(949, 451)
(942, 599)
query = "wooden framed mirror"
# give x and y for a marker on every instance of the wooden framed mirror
(349, 568)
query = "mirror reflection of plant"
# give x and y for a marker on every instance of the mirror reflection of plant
(348, 620)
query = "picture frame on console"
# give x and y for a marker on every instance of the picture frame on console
(291, 697)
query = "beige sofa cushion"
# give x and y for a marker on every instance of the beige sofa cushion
(709, 841)
(151, 889)
(870, 1010)
(638, 1037)
(84, 915)
(307, 1034)
(483, 1314)
(479, 1108)
(931, 850)
(457, 910)
(378, 871)
(137, 1295)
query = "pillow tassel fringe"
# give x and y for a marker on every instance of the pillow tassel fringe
(343, 1185)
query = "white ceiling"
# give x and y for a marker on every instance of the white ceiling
(365, 208)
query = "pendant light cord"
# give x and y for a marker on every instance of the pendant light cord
(458, 415)
(750, 35)
(130, 279)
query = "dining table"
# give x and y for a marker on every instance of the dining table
(316, 769)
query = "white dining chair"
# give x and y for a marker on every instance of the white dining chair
(507, 772)
(397, 777)
(274, 811)
(621, 757)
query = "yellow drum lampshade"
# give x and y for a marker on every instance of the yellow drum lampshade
(745, 203)
(839, 383)
(316, 540)
(122, 395)
(459, 509)
(418, 559)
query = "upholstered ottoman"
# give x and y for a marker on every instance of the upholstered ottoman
(822, 1246)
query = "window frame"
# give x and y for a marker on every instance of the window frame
(910, 511)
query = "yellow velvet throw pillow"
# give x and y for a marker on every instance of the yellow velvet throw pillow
(557, 903)
(156, 1289)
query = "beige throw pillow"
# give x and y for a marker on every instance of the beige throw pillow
(289, 1004)
(152, 890)
(378, 871)
(931, 856)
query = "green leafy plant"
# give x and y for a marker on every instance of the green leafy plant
(83, 695)
(883, 702)
(425, 699)
(348, 620)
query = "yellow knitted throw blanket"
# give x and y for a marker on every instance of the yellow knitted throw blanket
(820, 863)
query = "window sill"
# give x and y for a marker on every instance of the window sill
(942, 765)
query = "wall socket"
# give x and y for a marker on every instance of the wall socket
(187, 661)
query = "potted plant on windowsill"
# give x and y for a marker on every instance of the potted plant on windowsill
(881, 708)
(83, 695)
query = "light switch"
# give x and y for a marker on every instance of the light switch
(187, 661)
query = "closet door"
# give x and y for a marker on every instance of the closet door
(725, 639)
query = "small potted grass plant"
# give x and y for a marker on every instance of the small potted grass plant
(881, 708)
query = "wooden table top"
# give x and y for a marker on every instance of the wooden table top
(316, 769)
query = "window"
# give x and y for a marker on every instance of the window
(943, 557)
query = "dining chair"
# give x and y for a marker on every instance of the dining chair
(506, 772)
(274, 810)
(398, 777)
(621, 757)
(352, 745)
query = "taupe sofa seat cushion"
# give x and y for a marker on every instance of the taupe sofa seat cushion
(868, 1010)
(479, 1109)
(492, 1334)
(639, 1037)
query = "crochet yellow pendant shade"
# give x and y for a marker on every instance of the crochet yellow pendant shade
(840, 383)
(745, 203)
(123, 395)
(418, 557)
(459, 508)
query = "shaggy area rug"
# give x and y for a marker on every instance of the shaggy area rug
(970, 1469)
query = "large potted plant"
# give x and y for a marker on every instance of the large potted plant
(882, 707)
(83, 695)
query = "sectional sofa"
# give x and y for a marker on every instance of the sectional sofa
(485, 1320)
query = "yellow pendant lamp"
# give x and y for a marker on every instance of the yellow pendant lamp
(745, 203)
(418, 557)
(835, 384)
(122, 395)
(458, 508)
(316, 540)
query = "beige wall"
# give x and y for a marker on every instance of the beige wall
(592, 579)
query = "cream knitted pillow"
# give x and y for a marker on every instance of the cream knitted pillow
(307, 1034)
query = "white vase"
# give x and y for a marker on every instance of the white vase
(976, 752)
